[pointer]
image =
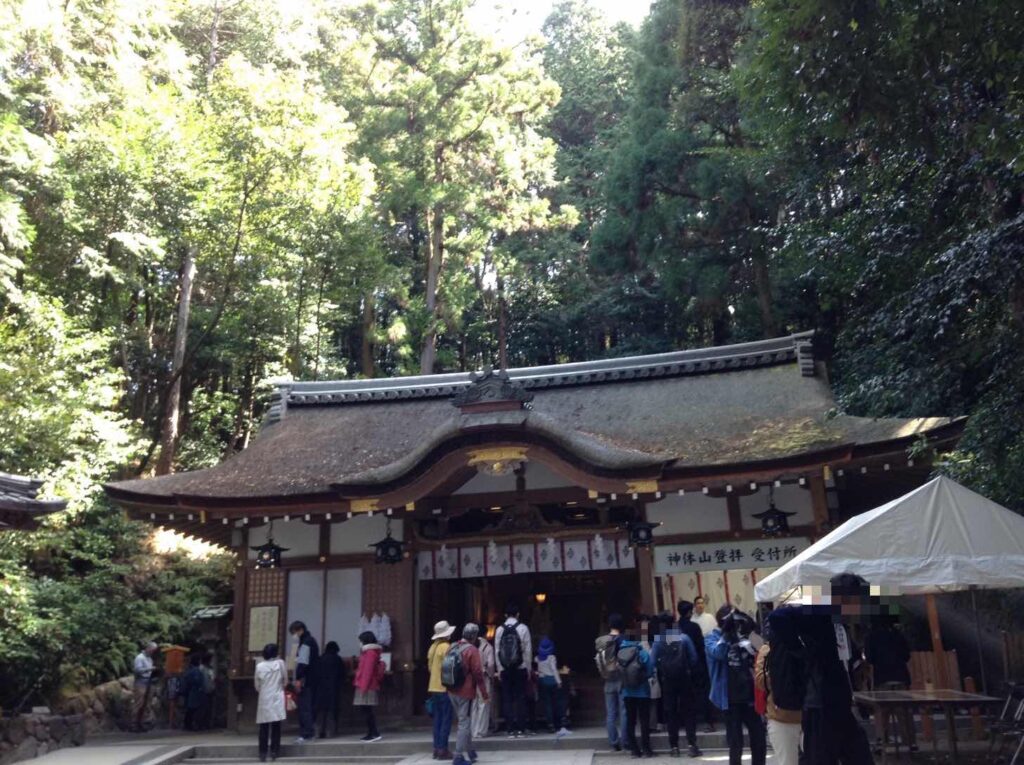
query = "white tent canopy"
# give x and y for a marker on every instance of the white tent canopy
(937, 538)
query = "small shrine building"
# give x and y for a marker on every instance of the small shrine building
(20, 506)
(526, 485)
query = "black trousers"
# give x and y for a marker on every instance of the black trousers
(192, 716)
(307, 720)
(678, 699)
(273, 732)
(371, 721)
(738, 716)
(513, 699)
(833, 736)
(327, 713)
(638, 710)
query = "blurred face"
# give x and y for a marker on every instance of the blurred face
(698, 606)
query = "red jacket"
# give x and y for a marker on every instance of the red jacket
(370, 671)
(474, 672)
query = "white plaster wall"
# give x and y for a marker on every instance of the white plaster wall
(790, 497)
(538, 476)
(693, 513)
(356, 534)
(301, 539)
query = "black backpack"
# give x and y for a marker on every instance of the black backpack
(510, 647)
(673, 666)
(634, 674)
(453, 670)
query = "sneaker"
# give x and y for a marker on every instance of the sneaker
(372, 739)
(367, 737)
(301, 740)
(563, 732)
(473, 756)
(511, 734)
(460, 760)
(694, 751)
(616, 747)
(674, 752)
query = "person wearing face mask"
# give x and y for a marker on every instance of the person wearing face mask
(306, 662)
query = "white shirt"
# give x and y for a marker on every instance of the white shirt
(549, 668)
(524, 642)
(143, 668)
(705, 621)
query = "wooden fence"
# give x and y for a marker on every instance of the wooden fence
(924, 668)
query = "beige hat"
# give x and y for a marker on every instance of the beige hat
(442, 630)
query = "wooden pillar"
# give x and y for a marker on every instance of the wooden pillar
(819, 503)
(941, 678)
(645, 567)
(236, 649)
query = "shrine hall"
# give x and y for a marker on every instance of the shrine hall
(578, 489)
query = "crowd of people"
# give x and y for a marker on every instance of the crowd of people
(788, 682)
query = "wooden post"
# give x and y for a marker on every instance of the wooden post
(645, 567)
(977, 726)
(927, 728)
(941, 674)
(819, 503)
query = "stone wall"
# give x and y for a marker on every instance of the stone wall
(108, 707)
(33, 735)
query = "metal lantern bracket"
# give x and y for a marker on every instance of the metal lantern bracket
(774, 522)
(268, 554)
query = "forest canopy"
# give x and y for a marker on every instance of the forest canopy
(198, 197)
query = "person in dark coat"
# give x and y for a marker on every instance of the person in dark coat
(702, 681)
(831, 733)
(193, 691)
(307, 661)
(888, 653)
(330, 680)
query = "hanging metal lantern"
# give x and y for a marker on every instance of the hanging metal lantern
(774, 522)
(268, 554)
(388, 550)
(641, 533)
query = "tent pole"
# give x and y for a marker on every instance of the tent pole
(977, 638)
(941, 681)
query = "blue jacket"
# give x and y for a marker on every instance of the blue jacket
(688, 650)
(644, 691)
(193, 688)
(717, 652)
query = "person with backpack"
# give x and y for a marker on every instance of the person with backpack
(463, 675)
(675, 661)
(731, 661)
(438, 701)
(607, 648)
(701, 680)
(515, 657)
(779, 672)
(637, 670)
(369, 674)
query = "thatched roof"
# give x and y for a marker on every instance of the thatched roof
(733, 405)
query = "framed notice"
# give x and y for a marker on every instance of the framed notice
(263, 627)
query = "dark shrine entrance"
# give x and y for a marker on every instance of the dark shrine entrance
(570, 608)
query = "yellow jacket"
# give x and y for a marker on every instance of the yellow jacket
(435, 656)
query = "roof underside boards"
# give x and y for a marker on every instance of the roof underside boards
(633, 415)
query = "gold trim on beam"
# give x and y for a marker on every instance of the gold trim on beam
(641, 487)
(364, 505)
(497, 454)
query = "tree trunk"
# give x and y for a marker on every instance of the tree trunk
(763, 287)
(169, 429)
(435, 254)
(368, 329)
